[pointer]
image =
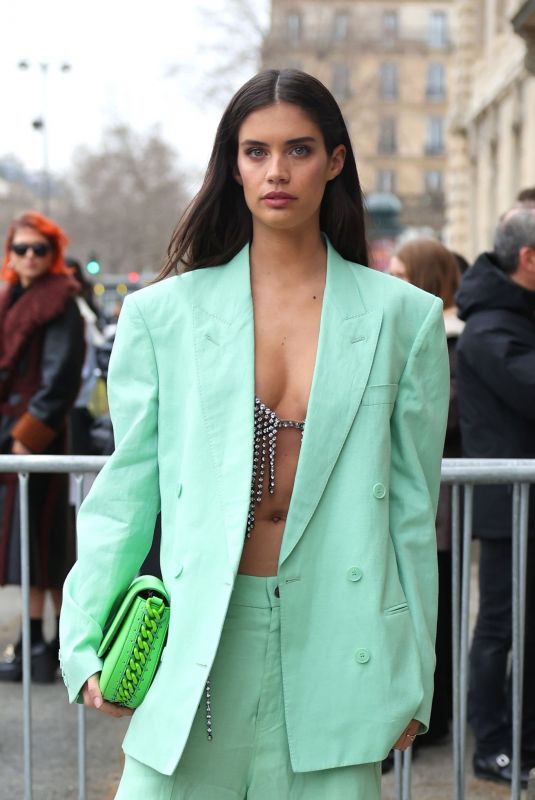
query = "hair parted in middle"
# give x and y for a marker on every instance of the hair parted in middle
(432, 267)
(217, 223)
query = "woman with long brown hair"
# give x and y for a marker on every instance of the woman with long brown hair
(41, 356)
(282, 404)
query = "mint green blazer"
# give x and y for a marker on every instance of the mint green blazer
(357, 569)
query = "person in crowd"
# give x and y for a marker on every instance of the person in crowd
(496, 392)
(41, 356)
(526, 198)
(81, 418)
(297, 470)
(426, 263)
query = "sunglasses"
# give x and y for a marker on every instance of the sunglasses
(40, 249)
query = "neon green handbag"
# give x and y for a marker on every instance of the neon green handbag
(133, 642)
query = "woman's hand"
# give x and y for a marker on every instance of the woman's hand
(93, 699)
(19, 449)
(408, 736)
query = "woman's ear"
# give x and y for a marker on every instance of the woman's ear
(236, 175)
(337, 161)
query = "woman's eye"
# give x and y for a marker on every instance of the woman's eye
(300, 150)
(256, 152)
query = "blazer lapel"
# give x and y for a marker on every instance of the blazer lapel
(224, 356)
(348, 338)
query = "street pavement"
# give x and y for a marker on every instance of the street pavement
(55, 743)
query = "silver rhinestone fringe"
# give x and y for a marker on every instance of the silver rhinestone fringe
(208, 700)
(266, 427)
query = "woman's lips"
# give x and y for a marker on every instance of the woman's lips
(278, 199)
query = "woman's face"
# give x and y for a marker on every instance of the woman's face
(397, 268)
(284, 167)
(27, 263)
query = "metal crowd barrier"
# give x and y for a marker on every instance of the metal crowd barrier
(458, 472)
(469, 472)
(24, 465)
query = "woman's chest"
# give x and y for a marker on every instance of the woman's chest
(285, 349)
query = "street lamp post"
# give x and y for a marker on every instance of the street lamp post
(41, 124)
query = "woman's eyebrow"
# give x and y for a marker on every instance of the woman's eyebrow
(257, 143)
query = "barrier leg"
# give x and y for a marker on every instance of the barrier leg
(407, 774)
(456, 638)
(398, 774)
(26, 639)
(519, 546)
(465, 607)
(82, 732)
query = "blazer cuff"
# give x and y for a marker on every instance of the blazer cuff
(76, 672)
(33, 433)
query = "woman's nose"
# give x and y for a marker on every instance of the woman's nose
(278, 170)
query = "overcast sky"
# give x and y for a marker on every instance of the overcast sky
(121, 54)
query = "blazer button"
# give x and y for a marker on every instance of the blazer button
(362, 655)
(354, 574)
(379, 491)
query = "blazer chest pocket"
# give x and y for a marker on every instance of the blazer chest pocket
(397, 609)
(380, 395)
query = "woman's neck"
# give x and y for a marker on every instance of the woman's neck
(287, 257)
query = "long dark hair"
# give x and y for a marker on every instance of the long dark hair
(217, 223)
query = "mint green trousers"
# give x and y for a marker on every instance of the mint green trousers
(248, 757)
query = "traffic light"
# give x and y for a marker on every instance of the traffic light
(93, 265)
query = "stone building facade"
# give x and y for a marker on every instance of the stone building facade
(387, 64)
(492, 141)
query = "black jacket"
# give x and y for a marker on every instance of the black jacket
(496, 383)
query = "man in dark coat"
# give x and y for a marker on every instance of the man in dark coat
(496, 391)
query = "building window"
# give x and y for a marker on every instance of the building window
(390, 26)
(438, 29)
(341, 82)
(387, 136)
(436, 82)
(433, 181)
(435, 136)
(386, 181)
(389, 80)
(341, 26)
(294, 27)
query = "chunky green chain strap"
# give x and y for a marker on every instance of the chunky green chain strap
(154, 608)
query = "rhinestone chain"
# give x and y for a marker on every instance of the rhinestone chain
(266, 427)
(208, 700)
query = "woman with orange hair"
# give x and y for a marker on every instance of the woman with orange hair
(41, 356)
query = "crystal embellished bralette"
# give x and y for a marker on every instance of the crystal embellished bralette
(266, 427)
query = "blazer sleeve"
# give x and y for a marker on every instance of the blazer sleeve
(116, 521)
(417, 431)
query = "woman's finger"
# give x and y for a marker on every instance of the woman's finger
(408, 736)
(93, 699)
(94, 696)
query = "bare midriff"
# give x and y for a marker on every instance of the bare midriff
(270, 505)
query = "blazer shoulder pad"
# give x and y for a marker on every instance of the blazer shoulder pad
(158, 298)
(393, 291)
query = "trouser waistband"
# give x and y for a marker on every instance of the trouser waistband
(258, 592)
